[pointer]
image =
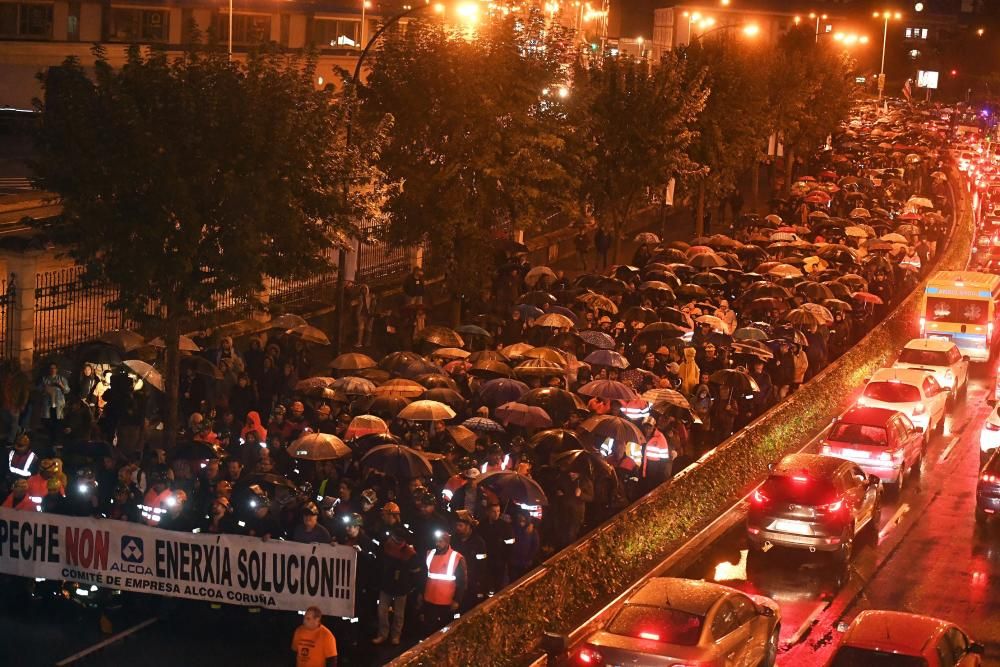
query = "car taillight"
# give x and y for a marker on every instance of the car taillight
(890, 455)
(833, 507)
(992, 427)
(759, 498)
(649, 635)
(589, 656)
(989, 478)
(826, 449)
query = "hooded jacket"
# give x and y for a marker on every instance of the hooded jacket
(256, 426)
(690, 373)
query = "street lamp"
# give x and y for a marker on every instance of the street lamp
(692, 18)
(885, 16)
(814, 15)
(365, 5)
(748, 29)
(850, 39)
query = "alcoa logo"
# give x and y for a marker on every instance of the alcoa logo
(131, 549)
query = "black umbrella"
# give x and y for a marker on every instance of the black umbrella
(268, 478)
(559, 403)
(397, 461)
(501, 390)
(386, 407)
(194, 451)
(366, 442)
(555, 440)
(100, 353)
(449, 397)
(608, 427)
(586, 462)
(436, 381)
(512, 487)
(738, 381)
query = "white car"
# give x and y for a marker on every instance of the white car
(940, 357)
(913, 392)
(989, 437)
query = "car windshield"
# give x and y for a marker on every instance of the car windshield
(657, 623)
(801, 489)
(858, 434)
(965, 311)
(850, 656)
(892, 392)
(924, 357)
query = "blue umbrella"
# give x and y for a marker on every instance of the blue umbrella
(598, 339)
(501, 390)
(483, 425)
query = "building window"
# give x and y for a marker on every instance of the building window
(24, 20)
(916, 33)
(247, 28)
(337, 33)
(139, 25)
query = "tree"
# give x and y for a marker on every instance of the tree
(733, 125)
(810, 89)
(476, 145)
(186, 177)
(634, 122)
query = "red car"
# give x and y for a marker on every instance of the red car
(879, 638)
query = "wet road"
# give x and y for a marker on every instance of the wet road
(928, 556)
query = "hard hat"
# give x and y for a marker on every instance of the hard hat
(258, 497)
(353, 519)
(425, 498)
(85, 474)
(310, 509)
(53, 466)
(465, 516)
(470, 473)
(604, 320)
(222, 500)
(54, 485)
(20, 484)
(391, 508)
(370, 496)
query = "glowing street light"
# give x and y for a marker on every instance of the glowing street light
(818, 17)
(751, 30)
(692, 17)
(885, 16)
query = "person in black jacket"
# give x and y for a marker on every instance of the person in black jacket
(498, 535)
(400, 569)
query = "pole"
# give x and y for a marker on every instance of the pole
(230, 29)
(881, 74)
(817, 29)
(364, 4)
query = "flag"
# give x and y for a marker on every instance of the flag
(908, 89)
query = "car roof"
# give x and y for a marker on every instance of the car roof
(687, 595)
(932, 344)
(914, 376)
(815, 464)
(867, 416)
(894, 630)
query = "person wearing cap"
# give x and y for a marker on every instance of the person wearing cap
(18, 498)
(445, 579)
(496, 460)
(309, 530)
(325, 422)
(219, 519)
(260, 520)
(399, 570)
(38, 483)
(82, 499)
(180, 516)
(498, 535)
(466, 541)
(22, 462)
(656, 459)
(312, 643)
(369, 509)
(428, 521)
(154, 503)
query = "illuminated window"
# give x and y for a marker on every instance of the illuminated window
(916, 33)
(337, 33)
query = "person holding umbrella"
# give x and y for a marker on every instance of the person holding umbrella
(467, 541)
(572, 493)
(399, 569)
(445, 580)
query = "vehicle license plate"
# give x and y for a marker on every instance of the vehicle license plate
(789, 526)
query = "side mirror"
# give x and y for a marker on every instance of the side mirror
(766, 611)
(976, 648)
(555, 644)
(966, 357)
(874, 480)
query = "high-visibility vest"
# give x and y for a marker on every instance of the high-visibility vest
(153, 507)
(656, 448)
(496, 468)
(22, 468)
(441, 579)
(38, 488)
(25, 504)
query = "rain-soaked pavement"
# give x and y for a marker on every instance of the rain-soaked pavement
(928, 557)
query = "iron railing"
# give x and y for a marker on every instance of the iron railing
(8, 294)
(380, 262)
(69, 310)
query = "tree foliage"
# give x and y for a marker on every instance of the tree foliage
(634, 124)
(733, 127)
(476, 145)
(186, 177)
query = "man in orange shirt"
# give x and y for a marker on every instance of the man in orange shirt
(313, 644)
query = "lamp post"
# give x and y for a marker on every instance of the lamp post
(886, 15)
(814, 15)
(230, 35)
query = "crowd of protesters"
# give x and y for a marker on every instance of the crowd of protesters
(561, 401)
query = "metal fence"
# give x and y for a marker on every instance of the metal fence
(8, 293)
(69, 311)
(317, 287)
(380, 262)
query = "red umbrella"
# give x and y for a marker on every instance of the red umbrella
(867, 297)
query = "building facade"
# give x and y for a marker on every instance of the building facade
(36, 34)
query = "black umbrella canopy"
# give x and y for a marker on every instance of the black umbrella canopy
(436, 381)
(512, 487)
(398, 461)
(586, 462)
(449, 397)
(386, 407)
(559, 403)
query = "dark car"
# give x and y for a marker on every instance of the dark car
(814, 502)
(988, 489)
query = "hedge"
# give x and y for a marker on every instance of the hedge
(572, 585)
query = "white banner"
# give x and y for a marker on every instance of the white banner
(228, 569)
